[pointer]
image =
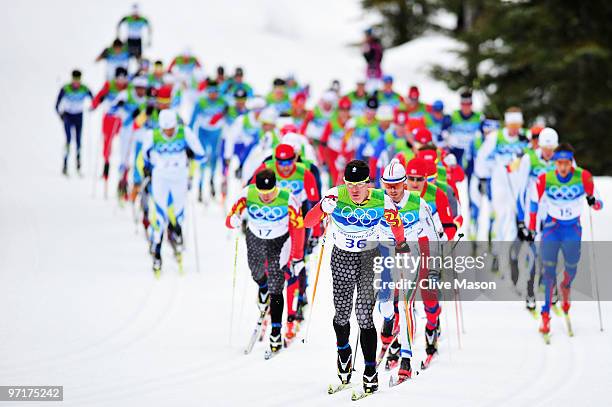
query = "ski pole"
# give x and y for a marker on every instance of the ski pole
(233, 288)
(195, 236)
(356, 349)
(594, 270)
(314, 290)
(93, 172)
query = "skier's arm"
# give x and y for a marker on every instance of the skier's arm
(426, 220)
(537, 192)
(59, 100)
(171, 66)
(593, 198)
(523, 180)
(296, 229)
(194, 143)
(118, 31)
(310, 186)
(237, 208)
(230, 134)
(316, 214)
(394, 221)
(445, 214)
(99, 98)
(149, 32)
(194, 116)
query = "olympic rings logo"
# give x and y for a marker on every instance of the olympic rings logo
(294, 185)
(565, 192)
(408, 218)
(267, 213)
(365, 217)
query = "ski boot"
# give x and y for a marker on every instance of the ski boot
(105, 170)
(344, 362)
(122, 190)
(175, 236)
(157, 264)
(276, 342)
(386, 333)
(212, 188)
(565, 299)
(393, 355)
(78, 163)
(291, 328)
(370, 379)
(65, 168)
(200, 195)
(302, 302)
(431, 341)
(263, 298)
(530, 303)
(405, 371)
(545, 326)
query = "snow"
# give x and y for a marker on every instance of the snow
(80, 307)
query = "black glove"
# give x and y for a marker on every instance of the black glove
(524, 234)
(146, 171)
(591, 200)
(402, 247)
(434, 275)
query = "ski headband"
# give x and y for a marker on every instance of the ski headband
(563, 155)
(513, 117)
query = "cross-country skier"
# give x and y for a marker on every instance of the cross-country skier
(417, 222)
(355, 210)
(438, 123)
(334, 140)
(69, 107)
(129, 104)
(535, 162)
(111, 123)
(135, 24)
(563, 190)
(387, 96)
(165, 150)
(116, 56)
(358, 98)
(207, 122)
(415, 108)
(278, 97)
(298, 179)
(274, 238)
(466, 126)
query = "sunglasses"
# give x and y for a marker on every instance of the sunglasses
(285, 163)
(350, 184)
(416, 179)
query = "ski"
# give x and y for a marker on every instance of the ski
(546, 337)
(393, 381)
(268, 354)
(358, 395)
(425, 363)
(179, 261)
(331, 389)
(557, 310)
(568, 324)
(383, 351)
(264, 328)
(256, 332)
(533, 312)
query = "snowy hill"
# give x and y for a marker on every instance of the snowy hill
(81, 308)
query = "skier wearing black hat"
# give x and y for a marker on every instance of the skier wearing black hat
(274, 236)
(355, 210)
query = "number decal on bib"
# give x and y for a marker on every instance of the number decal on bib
(351, 243)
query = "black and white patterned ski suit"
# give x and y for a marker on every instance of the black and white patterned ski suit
(350, 269)
(274, 253)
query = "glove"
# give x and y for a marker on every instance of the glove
(328, 204)
(524, 234)
(235, 221)
(313, 241)
(402, 247)
(593, 202)
(434, 275)
(297, 266)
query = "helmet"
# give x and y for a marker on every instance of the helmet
(384, 112)
(284, 152)
(268, 116)
(394, 173)
(549, 138)
(416, 167)
(344, 103)
(422, 135)
(167, 119)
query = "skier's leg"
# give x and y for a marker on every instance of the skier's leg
(68, 131)
(571, 255)
(344, 268)
(78, 127)
(550, 245)
(278, 250)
